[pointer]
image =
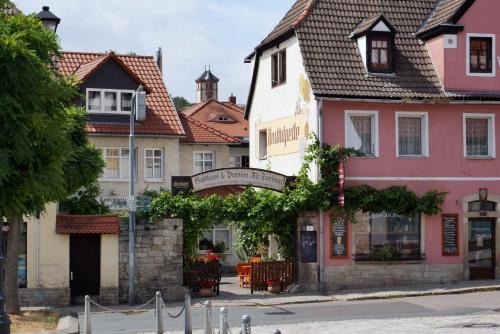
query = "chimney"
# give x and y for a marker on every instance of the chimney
(159, 59)
(232, 99)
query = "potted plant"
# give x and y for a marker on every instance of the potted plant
(206, 288)
(273, 285)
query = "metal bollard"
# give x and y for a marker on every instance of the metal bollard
(223, 326)
(187, 314)
(276, 331)
(159, 318)
(208, 306)
(246, 325)
(86, 324)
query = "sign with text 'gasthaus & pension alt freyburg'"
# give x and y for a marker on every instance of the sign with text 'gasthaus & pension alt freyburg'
(239, 177)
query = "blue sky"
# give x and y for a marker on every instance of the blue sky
(192, 33)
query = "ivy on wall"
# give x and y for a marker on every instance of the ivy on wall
(257, 214)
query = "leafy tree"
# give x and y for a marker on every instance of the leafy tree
(84, 202)
(44, 152)
(180, 103)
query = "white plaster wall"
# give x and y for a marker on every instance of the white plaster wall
(48, 252)
(170, 148)
(109, 260)
(274, 103)
(186, 166)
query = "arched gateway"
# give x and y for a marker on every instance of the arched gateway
(229, 178)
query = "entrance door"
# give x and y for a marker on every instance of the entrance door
(85, 264)
(482, 248)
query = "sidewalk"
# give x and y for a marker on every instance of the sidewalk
(231, 298)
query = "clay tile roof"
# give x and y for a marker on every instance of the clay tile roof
(291, 19)
(197, 132)
(444, 12)
(79, 224)
(162, 119)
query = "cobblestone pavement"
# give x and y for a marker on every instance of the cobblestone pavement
(480, 324)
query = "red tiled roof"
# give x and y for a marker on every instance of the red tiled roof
(208, 111)
(80, 224)
(197, 132)
(162, 118)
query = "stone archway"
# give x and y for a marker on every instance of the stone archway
(467, 216)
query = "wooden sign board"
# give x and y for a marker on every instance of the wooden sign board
(449, 231)
(339, 240)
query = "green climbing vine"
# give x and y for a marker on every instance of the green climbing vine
(256, 214)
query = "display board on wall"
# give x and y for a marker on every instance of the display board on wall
(449, 228)
(339, 241)
(308, 246)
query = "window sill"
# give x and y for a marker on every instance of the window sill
(381, 74)
(412, 157)
(278, 85)
(479, 158)
(123, 113)
(389, 262)
(115, 180)
(481, 74)
(154, 180)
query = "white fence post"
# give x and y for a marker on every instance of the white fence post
(159, 318)
(223, 326)
(86, 324)
(208, 306)
(246, 325)
(187, 314)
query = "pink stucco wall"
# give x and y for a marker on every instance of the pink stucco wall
(482, 17)
(446, 159)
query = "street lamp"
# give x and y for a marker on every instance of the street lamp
(138, 113)
(49, 20)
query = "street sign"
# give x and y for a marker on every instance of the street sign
(143, 203)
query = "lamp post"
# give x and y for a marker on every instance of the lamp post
(4, 317)
(49, 20)
(138, 112)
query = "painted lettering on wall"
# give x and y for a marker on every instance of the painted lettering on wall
(285, 134)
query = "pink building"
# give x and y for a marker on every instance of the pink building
(415, 87)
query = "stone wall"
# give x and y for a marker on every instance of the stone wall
(60, 297)
(158, 260)
(368, 275)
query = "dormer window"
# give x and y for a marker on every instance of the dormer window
(380, 54)
(480, 54)
(375, 39)
(109, 101)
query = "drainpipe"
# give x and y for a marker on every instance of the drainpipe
(37, 223)
(321, 269)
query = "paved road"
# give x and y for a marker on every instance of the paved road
(416, 307)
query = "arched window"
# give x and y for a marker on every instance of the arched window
(477, 206)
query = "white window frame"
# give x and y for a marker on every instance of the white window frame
(425, 133)
(203, 160)
(153, 179)
(118, 101)
(375, 128)
(491, 135)
(493, 55)
(230, 238)
(120, 169)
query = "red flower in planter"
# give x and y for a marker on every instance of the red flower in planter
(273, 282)
(206, 284)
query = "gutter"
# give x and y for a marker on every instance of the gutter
(321, 267)
(400, 101)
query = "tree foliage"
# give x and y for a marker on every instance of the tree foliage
(180, 103)
(44, 152)
(257, 214)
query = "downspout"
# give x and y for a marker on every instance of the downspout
(321, 267)
(37, 223)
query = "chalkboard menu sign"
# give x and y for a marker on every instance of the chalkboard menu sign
(339, 238)
(450, 234)
(308, 246)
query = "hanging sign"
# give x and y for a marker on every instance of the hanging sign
(449, 227)
(240, 177)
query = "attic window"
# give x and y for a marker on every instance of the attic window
(278, 68)
(224, 119)
(380, 48)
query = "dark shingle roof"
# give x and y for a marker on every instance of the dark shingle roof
(445, 12)
(291, 19)
(367, 24)
(207, 76)
(333, 62)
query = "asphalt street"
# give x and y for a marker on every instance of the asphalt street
(414, 307)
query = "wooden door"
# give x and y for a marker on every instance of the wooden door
(482, 248)
(85, 264)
